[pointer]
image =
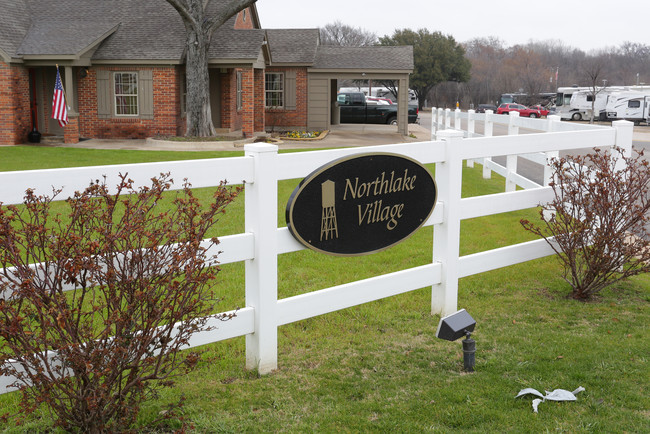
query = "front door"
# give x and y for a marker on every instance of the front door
(215, 97)
(49, 76)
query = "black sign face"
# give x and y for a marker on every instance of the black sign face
(361, 204)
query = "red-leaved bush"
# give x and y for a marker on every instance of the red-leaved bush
(597, 222)
(141, 281)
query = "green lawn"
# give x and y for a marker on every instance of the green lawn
(379, 368)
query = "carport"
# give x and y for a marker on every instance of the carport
(356, 63)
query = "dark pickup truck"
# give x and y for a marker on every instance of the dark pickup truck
(355, 110)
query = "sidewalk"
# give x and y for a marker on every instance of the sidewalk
(340, 136)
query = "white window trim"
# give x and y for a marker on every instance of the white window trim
(137, 95)
(281, 92)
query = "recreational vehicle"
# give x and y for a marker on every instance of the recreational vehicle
(583, 102)
(629, 105)
(563, 102)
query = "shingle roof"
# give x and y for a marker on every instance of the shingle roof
(152, 30)
(385, 58)
(148, 30)
(230, 43)
(14, 22)
(293, 45)
(58, 37)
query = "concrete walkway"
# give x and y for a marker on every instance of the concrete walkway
(339, 136)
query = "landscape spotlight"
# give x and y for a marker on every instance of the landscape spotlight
(455, 326)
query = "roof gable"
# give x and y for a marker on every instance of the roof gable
(293, 45)
(14, 23)
(60, 38)
(368, 58)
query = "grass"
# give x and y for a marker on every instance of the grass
(378, 367)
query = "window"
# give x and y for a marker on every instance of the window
(634, 103)
(274, 89)
(126, 93)
(239, 90)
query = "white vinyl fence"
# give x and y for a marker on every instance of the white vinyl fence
(262, 240)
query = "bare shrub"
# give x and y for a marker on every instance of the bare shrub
(141, 278)
(597, 222)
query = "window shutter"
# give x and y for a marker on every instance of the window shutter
(104, 94)
(145, 93)
(290, 90)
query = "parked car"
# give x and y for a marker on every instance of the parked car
(355, 110)
(482, 108)
(543, 110)
(505, 109)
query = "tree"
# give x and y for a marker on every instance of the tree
(340, 34)
(437, 58)
(592, 68)
(486, 56)
(142, 278)
(201, 18)
(597, 222)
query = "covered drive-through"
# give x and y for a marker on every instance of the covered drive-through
(356, 63)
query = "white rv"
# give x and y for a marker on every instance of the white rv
(583, 101)
(629, 105)
(563, 102)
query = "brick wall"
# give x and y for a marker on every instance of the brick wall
(230, 119)
(260, 113)
(244, 20)
(166, 109)
(15, 116)
(248, 102)
(282, 119)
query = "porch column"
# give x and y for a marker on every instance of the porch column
(71, 130)
(70, 90)
(248, 102)
(403, 106)
(258, 101)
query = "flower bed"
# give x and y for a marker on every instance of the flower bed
(304, 135)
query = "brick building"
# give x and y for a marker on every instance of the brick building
(122, 66)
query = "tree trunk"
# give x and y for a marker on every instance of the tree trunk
(199, 27)
(199, 113)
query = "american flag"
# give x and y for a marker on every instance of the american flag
(59, 109)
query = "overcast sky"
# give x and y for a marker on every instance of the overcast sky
(588, 25)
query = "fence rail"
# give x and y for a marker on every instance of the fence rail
(262, 240)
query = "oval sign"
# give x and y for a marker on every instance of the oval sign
(361, 204)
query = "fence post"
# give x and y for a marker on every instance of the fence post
(447, 119)
(624, 134)
(457, 119)
(470, 132)
(434, 122)
(261, 218)
(488, 129)
(551, 126)
(511, 160)
(446, 236)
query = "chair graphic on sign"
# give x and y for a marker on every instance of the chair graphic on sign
(328, 228)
